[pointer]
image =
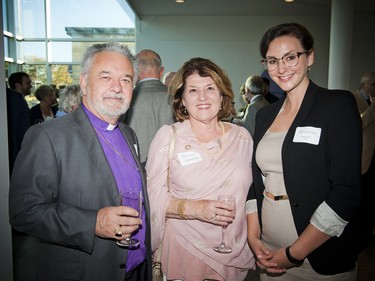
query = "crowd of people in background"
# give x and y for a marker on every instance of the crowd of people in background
(299, 164)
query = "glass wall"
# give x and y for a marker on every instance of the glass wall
(46, 38)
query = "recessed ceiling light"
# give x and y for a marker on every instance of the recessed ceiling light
(180, 1)
(289, 1)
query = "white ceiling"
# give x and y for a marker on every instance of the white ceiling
(240, 7)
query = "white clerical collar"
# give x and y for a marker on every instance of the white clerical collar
(111, 127)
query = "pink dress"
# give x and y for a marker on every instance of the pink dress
(200, 171)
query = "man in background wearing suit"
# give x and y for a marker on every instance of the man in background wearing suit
(18, 112)
(151, 106)
(255, 90)
(365, 97)
(68, 177)
(18, 123)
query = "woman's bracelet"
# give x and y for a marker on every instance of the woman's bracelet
(291, 258)
(181, 209)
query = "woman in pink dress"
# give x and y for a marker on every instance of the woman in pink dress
(209, 158)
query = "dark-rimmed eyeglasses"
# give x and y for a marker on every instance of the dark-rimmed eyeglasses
(288, 60)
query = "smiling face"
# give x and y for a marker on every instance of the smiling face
(202, 98)
(108, 86)
(293, 78)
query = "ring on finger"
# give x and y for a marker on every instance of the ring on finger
(118, 232)
(214, 218)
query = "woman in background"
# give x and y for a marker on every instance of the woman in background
(69, 100)
(44, 110)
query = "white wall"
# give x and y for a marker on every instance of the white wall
(232, 42)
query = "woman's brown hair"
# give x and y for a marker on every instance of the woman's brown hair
(205, 68)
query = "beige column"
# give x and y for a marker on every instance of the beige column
(340, 50)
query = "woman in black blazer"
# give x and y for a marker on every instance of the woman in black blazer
(44, 110)
(303, 205)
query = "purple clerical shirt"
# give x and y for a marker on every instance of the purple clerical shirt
(126, 173)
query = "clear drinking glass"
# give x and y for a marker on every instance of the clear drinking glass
(222, 247)
(133, 200)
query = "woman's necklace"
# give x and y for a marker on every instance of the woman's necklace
(115, 150)
(221, 147)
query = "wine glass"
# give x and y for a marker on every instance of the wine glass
(222, 248)
(133, 200)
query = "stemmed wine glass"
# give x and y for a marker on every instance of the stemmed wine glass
(133, 200)
(222, 247)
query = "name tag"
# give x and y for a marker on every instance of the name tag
(309, 135)
(188, 158)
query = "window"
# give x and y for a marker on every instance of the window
(47, 38)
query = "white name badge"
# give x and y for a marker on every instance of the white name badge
(307, 135)
(188, 158)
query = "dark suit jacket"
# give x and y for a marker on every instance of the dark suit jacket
(251, 112)
(60, 181)
(329, 171)
(18, 123)
(150, 109)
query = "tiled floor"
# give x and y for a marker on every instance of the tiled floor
(366, 266)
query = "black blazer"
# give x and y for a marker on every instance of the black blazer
(60, 180)
(18, 123)
(37, 116)
(329, 171)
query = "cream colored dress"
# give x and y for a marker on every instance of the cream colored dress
(278, 229)
(200, 171)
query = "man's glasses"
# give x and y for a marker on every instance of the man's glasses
(289, 60)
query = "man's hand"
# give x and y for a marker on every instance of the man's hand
(117, 222)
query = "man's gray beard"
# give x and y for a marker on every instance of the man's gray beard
(103, 110)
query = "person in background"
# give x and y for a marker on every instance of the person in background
(20, 82)
(44, 110)
(366, 92)
(208, 158)
(303, 210)
(70, 173)
(255, 91)
(168, 78)
(18, 113)
(365, 97)
(18, 123)
(268, 96)
(69, 100)
(151, 105)
(241, 112)
(239, 119)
